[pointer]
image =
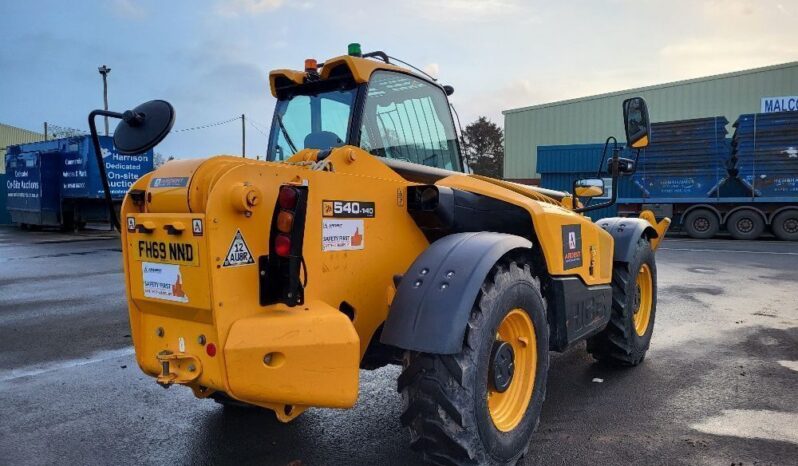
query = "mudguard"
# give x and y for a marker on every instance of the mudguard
(626, 231)
(434, 299)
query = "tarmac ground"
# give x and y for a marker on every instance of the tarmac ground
(718, 385)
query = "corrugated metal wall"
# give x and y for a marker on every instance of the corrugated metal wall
(11, 135)
(590, 119)
(560, 166)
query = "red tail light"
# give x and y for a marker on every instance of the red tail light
(287, 197)
(282, 245)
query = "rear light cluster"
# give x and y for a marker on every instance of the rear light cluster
(286, 202)
(280, 281)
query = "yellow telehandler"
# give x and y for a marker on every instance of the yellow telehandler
(364, 241)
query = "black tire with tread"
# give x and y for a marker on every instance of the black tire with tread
(779, 225)
(444, 396)
(713, 224)
(757, 224)
(619, 344)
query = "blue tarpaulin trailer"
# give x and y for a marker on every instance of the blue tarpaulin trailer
(704, 181)
(57, 182)
(560, 165)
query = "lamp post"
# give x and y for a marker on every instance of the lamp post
(104, 70)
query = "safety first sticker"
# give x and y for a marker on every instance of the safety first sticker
(342, 235)
(163, 281)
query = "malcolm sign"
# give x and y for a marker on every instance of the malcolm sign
(779, 104)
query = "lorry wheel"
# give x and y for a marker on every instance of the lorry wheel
(626, 338)
(701, 224)
(785, 225)
(745, 224)
(481, 405)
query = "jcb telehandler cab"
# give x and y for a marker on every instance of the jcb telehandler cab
(361, 242)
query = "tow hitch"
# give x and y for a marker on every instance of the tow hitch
(180, 368)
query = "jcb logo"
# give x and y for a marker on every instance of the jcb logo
(348, 209)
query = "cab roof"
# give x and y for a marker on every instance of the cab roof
(359, 68)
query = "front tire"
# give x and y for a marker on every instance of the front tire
(626, 338)
(482, 405)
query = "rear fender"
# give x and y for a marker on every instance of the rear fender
(434, 299)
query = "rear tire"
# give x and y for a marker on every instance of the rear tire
(745, 224)
(454, 411)
(625, 340)
(785, 225)
(701, 224)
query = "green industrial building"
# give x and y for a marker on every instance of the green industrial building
(11, 135)
(591, 119)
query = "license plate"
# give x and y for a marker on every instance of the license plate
(167, 252)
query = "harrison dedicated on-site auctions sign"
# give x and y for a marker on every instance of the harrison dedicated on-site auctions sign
(787, 103)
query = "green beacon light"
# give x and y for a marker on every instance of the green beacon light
(354, 49)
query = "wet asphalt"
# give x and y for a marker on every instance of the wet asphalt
(719, 385)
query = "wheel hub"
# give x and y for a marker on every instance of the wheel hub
(502, 365)
(701, 224)
(745, 225)
(643, 300)
(791, 225)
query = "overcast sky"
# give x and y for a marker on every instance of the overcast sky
(211, 58)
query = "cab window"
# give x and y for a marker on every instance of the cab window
(313, 121)
(407, 118)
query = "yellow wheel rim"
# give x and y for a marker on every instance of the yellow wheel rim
(507, 408)
(643, 299)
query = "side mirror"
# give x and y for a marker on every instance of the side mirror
(592, 187)
(140, 130)
(144, 127)
(636, 122)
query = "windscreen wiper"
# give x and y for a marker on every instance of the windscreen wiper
(285, 133)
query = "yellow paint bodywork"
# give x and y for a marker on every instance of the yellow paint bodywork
(361, 69)
(289, 358)
(660, 227)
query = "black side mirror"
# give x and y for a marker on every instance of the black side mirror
(636, 122)
(144, 127)
(140, 130)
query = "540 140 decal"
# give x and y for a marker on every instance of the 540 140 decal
(348, 209)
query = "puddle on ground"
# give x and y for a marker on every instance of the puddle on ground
(790, 365)
(753, 424)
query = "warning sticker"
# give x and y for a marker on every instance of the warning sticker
(238, 254)
(342, 235)
(163, 281)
